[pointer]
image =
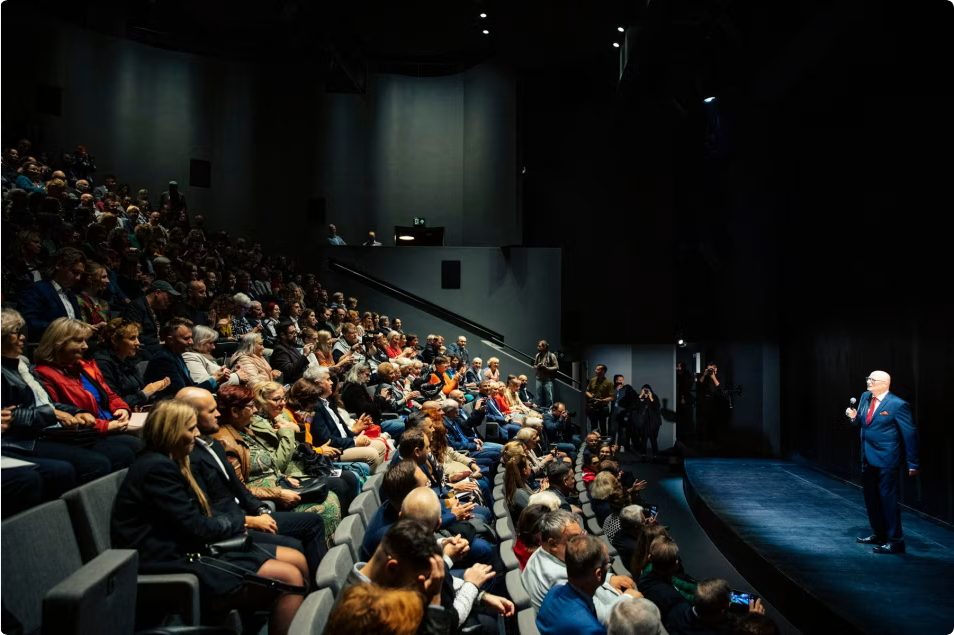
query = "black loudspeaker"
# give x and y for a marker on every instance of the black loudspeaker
(49, 100)
(450, 274)
(316, 211)
(200, 173)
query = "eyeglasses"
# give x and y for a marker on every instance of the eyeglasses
(278, 399)
(873, 380)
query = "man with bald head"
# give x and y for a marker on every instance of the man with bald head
(884, 419)
(228, 496)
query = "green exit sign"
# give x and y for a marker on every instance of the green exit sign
(419, 221)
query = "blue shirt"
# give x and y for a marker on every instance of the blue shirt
(568, 611)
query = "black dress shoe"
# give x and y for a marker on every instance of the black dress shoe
(890, 547)
(872, 540)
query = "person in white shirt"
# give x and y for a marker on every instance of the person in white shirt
(546, 567)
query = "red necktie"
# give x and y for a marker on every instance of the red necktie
(874, 402)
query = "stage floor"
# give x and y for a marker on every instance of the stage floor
(791, 532)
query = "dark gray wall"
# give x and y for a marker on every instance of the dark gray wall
(516, 294)
(443, 148)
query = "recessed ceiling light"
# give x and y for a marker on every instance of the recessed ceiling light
(483, 15)
(486, 32)
(621, 29)
(405, 237)
(615, 45)
(709, 100)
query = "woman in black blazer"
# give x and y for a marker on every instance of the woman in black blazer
(161, 512)
(116, 360)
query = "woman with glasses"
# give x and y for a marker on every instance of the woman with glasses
(115, 358)
(354, 393)
(249, 360)
(259, 442)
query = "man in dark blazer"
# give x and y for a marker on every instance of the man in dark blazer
(285, 356)
(227, 494)
(167, 361)
(53, 297)
(884, 419)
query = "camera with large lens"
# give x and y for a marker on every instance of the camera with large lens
(367, 340)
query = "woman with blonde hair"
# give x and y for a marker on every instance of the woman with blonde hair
(516, 491)
(326, 342)
(368, 608)
(94, 309)
(602, 489)
(115, 356)
(249, 360)
(161, 512)
(70, 379)
(492, 372)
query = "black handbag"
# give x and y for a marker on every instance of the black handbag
(311, 490)
(311, 462)
(242, 543)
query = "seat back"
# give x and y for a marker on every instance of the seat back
(39, 551)
(334, 569)
(365, 505)
(594, 527)
(313, 613)
(373, 484)
(90, 508)
(351, 533)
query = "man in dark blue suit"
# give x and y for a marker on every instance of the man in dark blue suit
(884, 419)
(176, 336)
(53, 297)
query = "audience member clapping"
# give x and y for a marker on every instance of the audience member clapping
(115, 358)
(249, 361)
(199, 361)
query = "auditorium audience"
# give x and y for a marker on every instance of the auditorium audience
(161, 512)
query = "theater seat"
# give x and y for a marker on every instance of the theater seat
(507, 555)
(334, 569)
(313, 613)
(518, 595)
(619, 568)
(350, 532)
(90, 509)
(500, 509)
(527, 622)
(505, 529)
(594, 527)
(498, 493)
(365, 505)
(47, 588)
(373, 484)
(587, 510)
(498, 480)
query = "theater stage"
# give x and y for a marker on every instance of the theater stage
(791, 532)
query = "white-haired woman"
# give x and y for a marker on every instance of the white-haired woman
(250, 361)
(199, 361)
(240, 324)
(492, 372)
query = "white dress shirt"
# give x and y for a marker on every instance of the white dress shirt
(334, 417)
(208, 448)
(65, 299)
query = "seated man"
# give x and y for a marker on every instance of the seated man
(143, 311)
(492, 411)
(560, 479)
(487, 459)
(637, 616)
(285, 356)
(408, 558)
(168, 362)
(415, 446)
(568, 609)
(399, 481)
(556, 421)
(470, 425)
(328, 426)
(53, 297)
(546, 567)
(709, 612)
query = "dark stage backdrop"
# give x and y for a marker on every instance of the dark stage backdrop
(823, 366)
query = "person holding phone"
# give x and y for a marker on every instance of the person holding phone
(648, 422)
(709, 611)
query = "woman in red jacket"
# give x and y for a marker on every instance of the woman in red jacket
(73, 380)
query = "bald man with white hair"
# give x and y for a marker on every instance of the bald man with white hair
(885, 419)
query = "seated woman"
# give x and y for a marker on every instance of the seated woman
(270, 324)
(162, 513)
(529, 438)
(393, 348)
(516, 491)
(70, 379)
(368, 608)
(604, 484)
(326, 342)
(300, 403)
(220, 315)
(262, 456)
(115, 359)
(640, 564)
(527, 539)
(199, 361)
(250, 361)
(590, 468)
(457, 467)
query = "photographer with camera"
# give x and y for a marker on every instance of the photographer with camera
(648, 422)
(599, 396)
(623, 419)
(707, 398)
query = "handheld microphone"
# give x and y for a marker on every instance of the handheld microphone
(851, 405)
(852, 401)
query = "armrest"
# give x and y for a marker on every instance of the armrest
(508, 557)
(170, 593)
(619, 568)
(527, 622)
(518, 595)
(98, 597)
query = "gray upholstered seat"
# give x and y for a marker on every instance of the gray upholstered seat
(313, 613)
(365, 505)
(518, 595)
(334, 569)
(351, 533)
(527, 622)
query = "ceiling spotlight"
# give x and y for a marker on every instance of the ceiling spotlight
(681, 342)
(486, 32)
(615, 45)
(621, 29)
(405, 237)
(709, 100)
(483, 15)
